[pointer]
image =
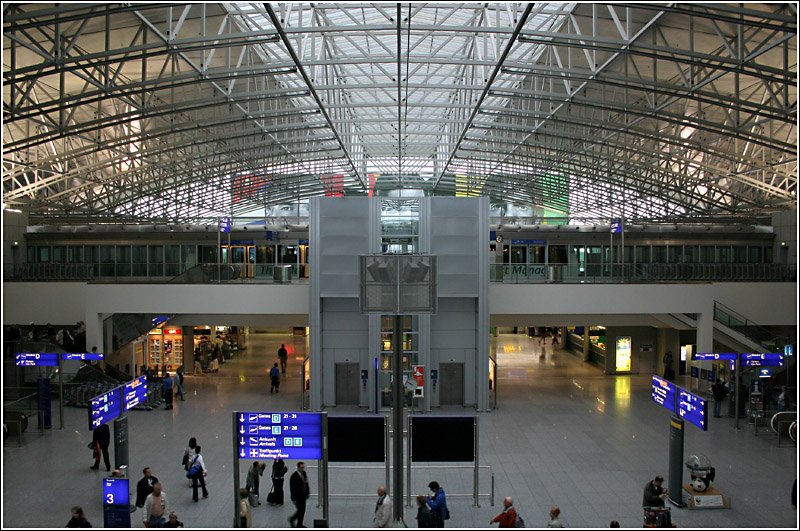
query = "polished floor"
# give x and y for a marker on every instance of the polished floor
(563, 433)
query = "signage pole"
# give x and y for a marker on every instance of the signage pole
(475, 489)
(397, 420)
(386, 452)
(219, 260)
(408, 453)
(676, 461)
(235, 473)
(325, 495)
(737, 370)
(60, 394)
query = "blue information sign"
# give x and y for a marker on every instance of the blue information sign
(765, 372)
(224, 224)
(115, 491)
(36, 359)
(769, 359)
(695, 372)
(82, 356)
(692, 408)
(105, 408)
(616, 225)
(284, 435)
(663, 392)
(528, 242)
(134, 393)
(706, 356)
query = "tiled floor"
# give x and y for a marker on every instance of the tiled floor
(563, 433)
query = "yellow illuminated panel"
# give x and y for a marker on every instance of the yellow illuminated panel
(623, 354)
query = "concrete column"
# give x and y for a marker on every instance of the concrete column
(94, 333)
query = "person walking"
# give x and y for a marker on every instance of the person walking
(145, 486)
(669, 374)
(245, 516)
(283, 356)
(508, 518)
(78, 518)
(199, 477)
(438, 503)
(425, 517)
(555, 512)
(188, 455)
(179, 382)
(383, 509)
(720, 392)
(274, 379)
(253, 480)
(654, 493)
(167, 391)
(299, 491)
(101, 440)
(155, 507)
(279, 470)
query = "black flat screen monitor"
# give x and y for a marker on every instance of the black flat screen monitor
(438, 439)
(356, 439)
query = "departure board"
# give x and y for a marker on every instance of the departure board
(36, 359)
(692, 408)
(105, 408)
(286, 435)
(663, 392)
(134, 392)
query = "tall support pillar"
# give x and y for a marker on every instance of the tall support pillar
(586, 342)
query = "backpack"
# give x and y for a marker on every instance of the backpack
(518, 521)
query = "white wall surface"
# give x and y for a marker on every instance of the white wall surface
(765, 303)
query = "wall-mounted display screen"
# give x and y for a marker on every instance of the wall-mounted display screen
(439, 439)
(284, 435)
(357, 439)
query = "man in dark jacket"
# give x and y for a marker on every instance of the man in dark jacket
(438, 503)
(299, 491)
(654, 493)
(720, 392)
(145, 487)
(102, 436)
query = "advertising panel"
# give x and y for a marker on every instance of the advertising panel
(623, 354)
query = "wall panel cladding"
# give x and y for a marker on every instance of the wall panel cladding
(343, 236)
(453, 328)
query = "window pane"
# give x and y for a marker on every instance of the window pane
(707, 254)
(642, 254)
(767, 255)
(44, 254)
(188, 256)
(59, 254)
(739, 254)
(557, 254)
(123, 260)
(156, 261)
(659, 254)
(107, 261)
(31, 254)
(754, 258)
(173, 260)
(691, 254)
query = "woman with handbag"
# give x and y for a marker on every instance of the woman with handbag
(279, 470)
(188, 455)
(197, 473)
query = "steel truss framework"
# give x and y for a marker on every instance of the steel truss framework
(188, 112)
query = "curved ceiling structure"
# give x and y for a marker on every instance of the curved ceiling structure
(134, 112)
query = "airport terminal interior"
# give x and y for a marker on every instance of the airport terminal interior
(560, 237)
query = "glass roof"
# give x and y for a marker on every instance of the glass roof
(187, 112)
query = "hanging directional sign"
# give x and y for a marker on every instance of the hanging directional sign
(616, 225)
(224, 224)
(706, 356)
(770, 359)
(105, 408)
(134, 392)
(279, 435)
(765, 372)
(36, 359)
(692, 408)
(663, 392)
(82, 356)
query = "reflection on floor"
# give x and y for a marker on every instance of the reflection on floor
(563, 433)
